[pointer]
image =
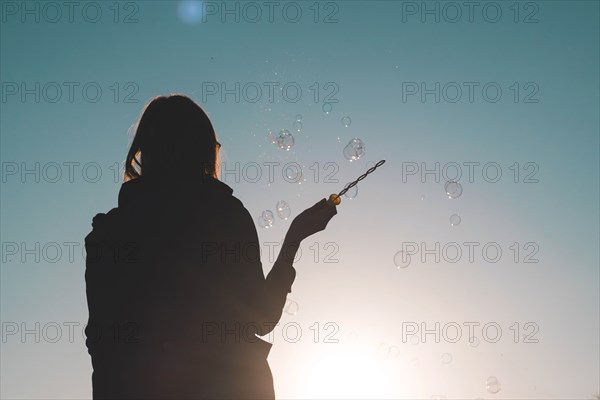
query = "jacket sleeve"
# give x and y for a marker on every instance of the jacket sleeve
(99, 263)
(266, 297)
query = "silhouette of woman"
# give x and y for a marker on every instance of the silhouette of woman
(175, 287)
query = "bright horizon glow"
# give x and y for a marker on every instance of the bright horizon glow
(347, 372)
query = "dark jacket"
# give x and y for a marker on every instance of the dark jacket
(176, 295)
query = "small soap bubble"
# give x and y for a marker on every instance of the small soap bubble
(297, 126)
(327, 107)
(293, 174)
(338, 139)
(393, 351)
(263, 223)
(446, 358)
(453, 189)
(346, 121)
(298, 117)
(352, 192)
(267, 215)
(422, 197)
(492, 385)
(271, 137)
(291, 307)
(473, 342)
(414, 339)
(283, 209)
(455, 219)
(285, 140)
(354, 150)
(402, 260)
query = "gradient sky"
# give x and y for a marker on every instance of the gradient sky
(369, 54)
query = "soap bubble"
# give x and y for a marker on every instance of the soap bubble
(422, 197)
(267, 215)
(414, 339)
(264, 223)
(352, 192)
(283, 209)
(402, 260)
(455, 219)
(354, 150)
(297, 126)
(346, 121)
(446, 358)
(298, 117)
(473, 342)
(393, 351)
(453, 189)
(339, 139)
(492, 384)
(291, 307)
(271, 137)
(285, 140)
(327, 107)
(293, 173)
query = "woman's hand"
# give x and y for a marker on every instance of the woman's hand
(311, 221)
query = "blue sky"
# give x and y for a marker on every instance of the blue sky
(362, 58)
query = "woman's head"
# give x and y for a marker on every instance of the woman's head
(173, 139)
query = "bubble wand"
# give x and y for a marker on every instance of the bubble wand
(336, 199)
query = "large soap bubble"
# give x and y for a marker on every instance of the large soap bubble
(285, 140)
(354, 150)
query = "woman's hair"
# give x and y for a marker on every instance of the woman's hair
(173, 139)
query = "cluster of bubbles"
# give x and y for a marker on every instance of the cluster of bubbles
(285, 139)
(346, 121)
(266, 218)
(354, 150)
(291, 307)
(453, 190)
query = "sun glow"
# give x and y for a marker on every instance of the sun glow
(348, 372)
